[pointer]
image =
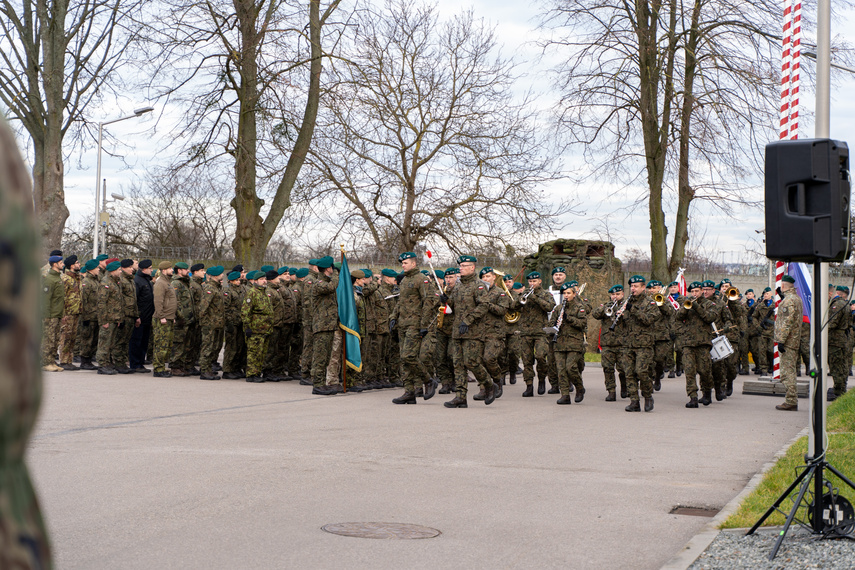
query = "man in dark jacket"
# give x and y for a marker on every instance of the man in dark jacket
(145, 304)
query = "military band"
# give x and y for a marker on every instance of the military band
(427, 331)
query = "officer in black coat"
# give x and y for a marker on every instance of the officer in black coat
(145, 304)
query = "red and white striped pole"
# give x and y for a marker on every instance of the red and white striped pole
(786, 61)
(795, 68)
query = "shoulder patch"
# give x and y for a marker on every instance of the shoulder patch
(208, 292)
(480, 286)
(47, 289)
(249, 300)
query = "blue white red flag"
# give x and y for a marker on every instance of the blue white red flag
(799, 272)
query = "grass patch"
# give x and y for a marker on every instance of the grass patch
(593, 357)
(841, 454)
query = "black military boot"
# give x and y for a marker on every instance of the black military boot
(719, 393)
(209, 377)
(624, 393)
(611, 397)
(657, 384)
(430, 388)
(671, 374)
(679, 372)
(513, 378)
(405, 398)
(529, 391)
(707, 398)
(564, 399)
(86, 364)
(164, 374)
(420, 392)
(541, 386)
(231, 375)
(445, 389)
(499, 389)
(692, 403)
(580, 395)
(109, 370)
(480, 396)
(491, 394)
(457, 402)
(648, 404)
(831, 395)
(553, 390)
(633, 406)
(743, 372)
(729, 391)
(68, 366)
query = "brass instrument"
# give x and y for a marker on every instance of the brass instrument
(732, 294)
(526, 295)
(581, 289)
(441, 314)
(660, 297)
(610, 310)
(511, 316)
(688, 304)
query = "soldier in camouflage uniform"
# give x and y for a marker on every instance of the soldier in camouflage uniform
(111, 315)
(444, 353)
(747, 301)
(257, 318)
(194, 348)
(307, 357)
(415, 312)
(570, 321)
(289, 320)
(324, 324)
(212, 321)
(68, 328)
(735, 334)
(788, 336)
(534, 306)
(722, 321)
(838, 344)
(88, 329)
(661, 335)
(639, 314)
(295, 350)
(376, 330)
(494, 328)
(470, 303)
(559, 277)
(391, 350)
(696, 341)
(130, 318)
(761, 330)
(273, 358)
(54, 307)
(163, 320)
(234, 356)
(25, 545)
(185, 316)
(510, 359)
(610, 343)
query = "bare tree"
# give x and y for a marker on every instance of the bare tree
(683, 94)
(57, 58)
(421, 137)
(248, 72)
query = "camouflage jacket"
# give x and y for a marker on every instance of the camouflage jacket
(788, 322)
(234, 296)
(573, 326)
(89, 298)
(196, 293)
(129, 296)
(838, 323)
(391, 291)
(324, 303)
(111, 307)
(696, 322)
(257, 311)
(724, 320)
(185, 314)
(212, 305)
(498, 303)
(418, 303)
(278, 305)
(763, 319)
(296, 289)
(470, 302)
(533, 315)
(740, 322)
(376, 310)
(54, 295)
(289, 305)
(307, 284)
(608, 338)
(641, 312)
(72, 292)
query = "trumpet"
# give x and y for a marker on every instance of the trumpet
(610, 310)
(660, 297)
(732, 294)
(688, 304)
(442, 309)
(526, 295)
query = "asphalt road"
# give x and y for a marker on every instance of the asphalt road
(141, 472)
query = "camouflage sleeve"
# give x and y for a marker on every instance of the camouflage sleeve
(246, 308)
(430, 303)
(578, 318)
(545, 300)
(647, 313)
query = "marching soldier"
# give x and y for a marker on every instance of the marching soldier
(559, 277)
(185, 318)
(696, 341)
(570, 321)
(88, 329)
(68, 328)
(838, 344)
(639, 313)
(212, 321)
(721, 322)
(735, 334)
(534, 306)
(675, 366)
(788, 336)
(163, 319)
(511, 358)
(257, 319)
(234, 356)
(661, 335)
(498, 303)
(444, 354)
(611, 332)
(54, 309)
(111, 315)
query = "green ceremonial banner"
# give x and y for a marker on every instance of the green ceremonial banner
(347, 318)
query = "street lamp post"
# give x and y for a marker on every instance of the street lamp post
(137, 113)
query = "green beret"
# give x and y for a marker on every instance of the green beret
(389, 272)
(425, 272)
(406, 255)
(767, 289)
(694, 285)
(439, 273)
(452, 271)
(467, 259)
(303, 272)
(113, 266)
(266, 268)
(484, 271)
(654, 283)
(283, 269)
(181, 265)
(233, 276)
(565, 286)
(215, 270)
(843, 288)
(533, 275)
(673, 283)
(747, 291)
(517, 285)
(708, 284)
(324, 262)
(337, 265)
(723, 281)
(102, 257)
(852, 302)
(90, 265)
(292, 271)
(313, 261)
(508, 277)
(615, 288)
(559, 269)
(572, 283)
(637, 279)
(253, 275)
(367, 272)
(789, 279)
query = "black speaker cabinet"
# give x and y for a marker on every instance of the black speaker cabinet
(807, 200)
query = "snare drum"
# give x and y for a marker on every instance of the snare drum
(721, 348)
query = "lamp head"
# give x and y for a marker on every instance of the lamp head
(117, 196)
(143, 111)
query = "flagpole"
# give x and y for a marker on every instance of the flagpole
(343, 341)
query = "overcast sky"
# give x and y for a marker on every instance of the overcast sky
(516, 30)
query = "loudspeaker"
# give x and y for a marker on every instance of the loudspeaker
(807, 200)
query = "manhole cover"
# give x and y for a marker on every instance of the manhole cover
(694, 511)
(381, 530)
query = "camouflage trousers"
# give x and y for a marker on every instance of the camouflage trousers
(234, 357)
(443, 359)
(725, 369)
(194, 345)
(743, 352)
(568, 371)
(611, 360)
(256, 351)
(212, 343)
(392, 360)
(789, 359)
(371, 355)
(180, 348)
(295, 350)
(472, 357)
(162, 338)
(334, 364)
(427, 350)
(67, 338)
(107, 340)
(661, 355)
(283, 348)
(838, 367)
(87, 334)
(510, 358)
(273, 354)
(414, 372)
(636, 363)
(494, 348)
(322, 345)
(760, 349)
(50, 344)
(121, 350)
(306, 355)
(697, 362)
(534, 349)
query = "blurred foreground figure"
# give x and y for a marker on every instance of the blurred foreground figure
(23, 539)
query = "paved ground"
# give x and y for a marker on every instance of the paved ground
(139, 472)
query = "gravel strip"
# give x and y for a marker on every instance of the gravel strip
(732, 550)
